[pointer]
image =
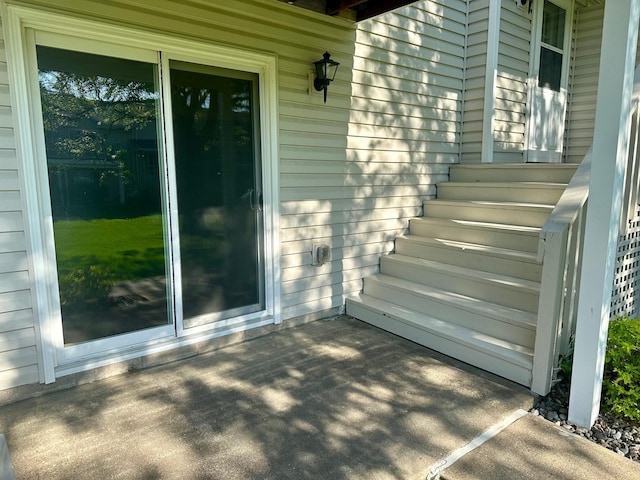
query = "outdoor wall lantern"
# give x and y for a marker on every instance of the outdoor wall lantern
(325, 73)
(522, 4)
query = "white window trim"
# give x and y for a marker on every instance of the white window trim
(17, 20)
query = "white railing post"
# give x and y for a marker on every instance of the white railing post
(550, 309)
(610, 143)
(559, 252)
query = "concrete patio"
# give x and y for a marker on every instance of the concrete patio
(333, 399)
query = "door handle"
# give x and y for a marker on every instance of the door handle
(255, 199)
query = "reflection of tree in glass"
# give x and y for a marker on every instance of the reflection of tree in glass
(214, 133)
(99, 126)
(94, 107)
(213, 137)
(90, 121)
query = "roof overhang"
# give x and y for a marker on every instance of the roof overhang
(356, 10)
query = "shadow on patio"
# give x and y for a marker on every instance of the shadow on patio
(332, 399)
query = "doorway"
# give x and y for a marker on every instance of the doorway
(155, 194)
(549, 80)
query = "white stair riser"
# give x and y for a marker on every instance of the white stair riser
(524, 299)
(523, 241)
(474, 356)
(471, 259)
(523, 173)
(473, 303)
(448, 311)
(504, 214)
(481, 191)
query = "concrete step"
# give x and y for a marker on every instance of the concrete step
(516, 172)
(490, 287)
(486, 258)
(506, 359)
(509, 324)
(523, 214)
(519, 192)
(515, 237)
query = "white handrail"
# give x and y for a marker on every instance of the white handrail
(556, 237)
(571, 201)
(559, 250)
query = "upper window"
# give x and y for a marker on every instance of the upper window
(553, 19)
(551, 48)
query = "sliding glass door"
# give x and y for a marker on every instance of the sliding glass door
(154, 193)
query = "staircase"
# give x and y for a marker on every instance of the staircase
(465, 281)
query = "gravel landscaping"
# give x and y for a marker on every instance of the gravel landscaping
(612, 433)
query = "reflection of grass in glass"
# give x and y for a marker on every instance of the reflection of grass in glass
(129, 248)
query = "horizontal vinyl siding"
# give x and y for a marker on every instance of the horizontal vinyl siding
(18, 355)
(404, 132)
(478, 26)
(584, 82)
(511, 83)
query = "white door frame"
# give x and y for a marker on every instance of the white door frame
(535, 93)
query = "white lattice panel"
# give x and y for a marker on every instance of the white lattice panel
(626, 284)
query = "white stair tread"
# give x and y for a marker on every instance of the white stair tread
(493, 204)
(502, 349)
(474, 247)
(481, 276)
(510, 184)
(463, 302)
(475, 224)
(525, 171)
(515, 166)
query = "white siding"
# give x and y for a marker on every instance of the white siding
(18, 356)
(584, 81)
(511, 83)
(511, 92)
(477, 34)
(404, 132)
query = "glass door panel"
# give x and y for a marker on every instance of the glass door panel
(215, 135)
(100, 116)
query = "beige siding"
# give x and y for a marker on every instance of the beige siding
(477, 34)
(584, 81)
(18, 356)
(404, 132)
(511, 83)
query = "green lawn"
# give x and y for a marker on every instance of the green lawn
(129, 248)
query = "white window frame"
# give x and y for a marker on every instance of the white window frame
(537, 44)
(18, 22)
